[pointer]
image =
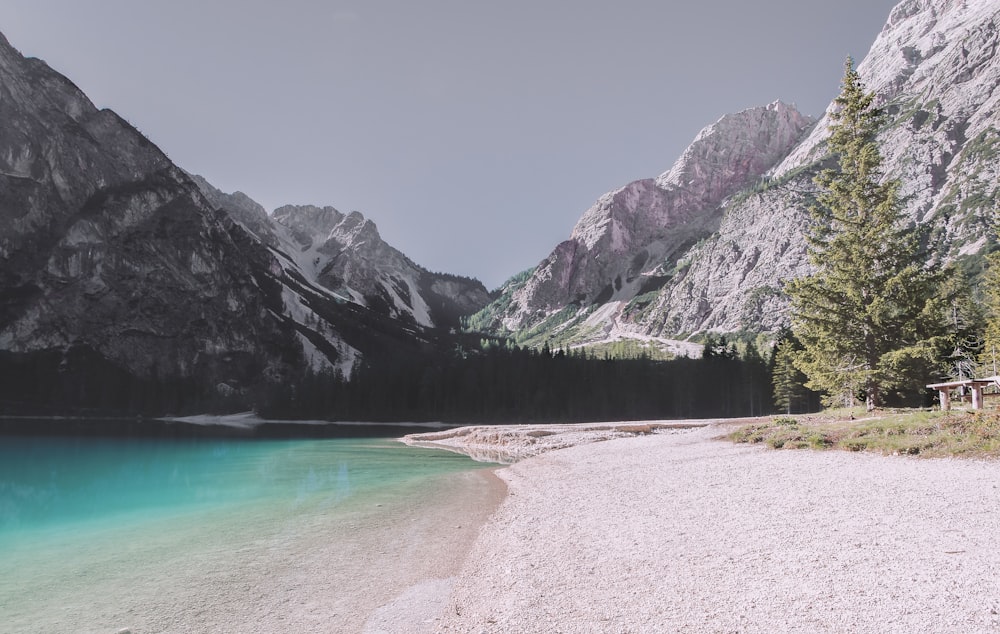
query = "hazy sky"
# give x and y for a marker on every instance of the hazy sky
(473, 133)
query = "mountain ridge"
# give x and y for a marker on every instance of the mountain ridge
(345, 254)
(115, 258)
(934, 69)
(120, 269)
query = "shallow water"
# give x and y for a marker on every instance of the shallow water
(99, 534)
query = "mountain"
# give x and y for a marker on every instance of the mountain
(631, 242)
(346, 255)
(707, 245)
(121, 274)
(125, 280)
(109, 252)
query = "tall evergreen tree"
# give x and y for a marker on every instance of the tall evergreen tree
(964, 318)
(867, 317)
(989, 357)
(790, 393)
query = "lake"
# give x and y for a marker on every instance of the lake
(156, 534)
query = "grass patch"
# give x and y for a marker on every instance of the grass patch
(910, 432)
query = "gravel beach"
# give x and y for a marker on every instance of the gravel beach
(679, 531)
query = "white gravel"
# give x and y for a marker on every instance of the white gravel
(507, 444)
(683, 533)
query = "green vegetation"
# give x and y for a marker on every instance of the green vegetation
(503, 384)
(970, 201)
(869, 318)
(790, 392)
(559, 328)
(764, 183)
(916, 432)
(756, 304)
(640, 302)
(487, 319)
(983, 148)
(628, 349)
(990, 349)
(964, 318)
(911, 112)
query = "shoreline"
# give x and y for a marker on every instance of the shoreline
(682, 531)
(414, 602)
(423, 607)
(508, 444)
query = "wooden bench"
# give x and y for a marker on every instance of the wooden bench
(974, 385)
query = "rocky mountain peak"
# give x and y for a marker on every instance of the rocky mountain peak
(328, 230)
(344, 257)
(734, 147)
(935, 53)
(109, 253)
(26, 79)
(346, 254)
(707, 245)
(355, 230)
(723, 158)
(639, 228)
(935, 71)
(947, 47)
(241, 208)
(308, 223)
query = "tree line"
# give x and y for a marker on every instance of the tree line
(490, 382)
(503, 383)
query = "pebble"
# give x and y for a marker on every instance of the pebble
(801, 541)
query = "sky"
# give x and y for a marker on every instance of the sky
(475, 134)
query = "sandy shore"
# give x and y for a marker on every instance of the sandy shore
(678, 531)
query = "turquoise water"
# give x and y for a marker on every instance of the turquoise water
(83, 520)
(48, 482)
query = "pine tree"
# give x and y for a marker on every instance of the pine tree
(964, 318)
(867, 318)
(790, 393)
(989, 357)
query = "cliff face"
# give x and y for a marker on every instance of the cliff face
(344, 255)
(114, 260)
(624, 244)
(107, 246)
(708, 245)
(935, 70)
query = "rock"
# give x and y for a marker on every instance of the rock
(110, 250)
(345, 254)
(628, 241)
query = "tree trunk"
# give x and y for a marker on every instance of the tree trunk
(872, 398)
